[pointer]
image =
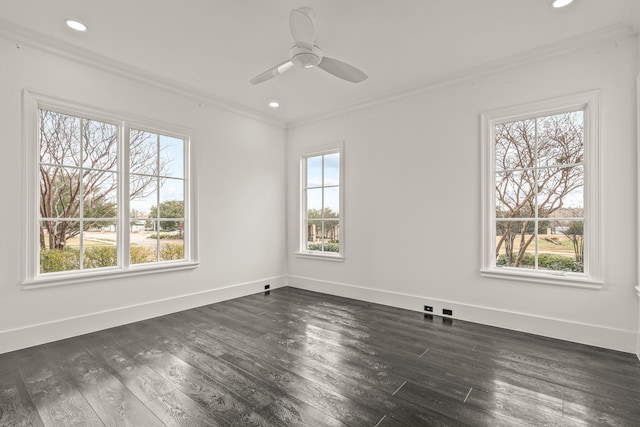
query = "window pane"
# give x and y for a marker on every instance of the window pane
(515, 145)
(171, 240)
(561, 192)
(561, 245)
(331, 236)
(171, 156)
(99, 245)
(100, 190)
(314, 171)
(143, 195)
(314, 203)
(59, 192)
(99, 145)
(143, 247)
(515, 246)
(59, 138)
(143, 152)
(515, 194)
(172, 190)
(59, 246)
(332, 169)
(331, 202)
(314, 235)
(561, 139)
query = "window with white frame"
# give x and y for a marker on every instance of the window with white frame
(321, 217)
(108, 197)
(541, 192)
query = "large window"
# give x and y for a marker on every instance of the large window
(112, 198)
(541, 191)
(321, 219)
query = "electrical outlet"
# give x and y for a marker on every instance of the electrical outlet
(447, 312)
(267, 287)
(428, 308)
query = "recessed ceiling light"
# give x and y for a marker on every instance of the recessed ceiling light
(561, 3)
(75, 25)
(274, 104)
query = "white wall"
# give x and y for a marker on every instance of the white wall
(240, 199)
(412, 210)
(638, 200)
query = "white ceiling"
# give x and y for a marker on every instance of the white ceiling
(213, 47)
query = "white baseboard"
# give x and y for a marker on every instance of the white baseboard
(615, 339)
(638, 292)
(27, 336)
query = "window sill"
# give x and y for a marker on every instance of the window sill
(106, 274)
(559, 278)
(320, 256)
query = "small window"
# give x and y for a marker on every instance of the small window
(321, 218)
(111, 198)
(541, 192)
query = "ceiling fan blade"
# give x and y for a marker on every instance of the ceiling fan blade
(272, 72)
(343, 70)
(301, 26)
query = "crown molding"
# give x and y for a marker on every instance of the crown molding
(59, 48)
(585, 41)
(632, 18)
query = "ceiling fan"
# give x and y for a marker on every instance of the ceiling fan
(305, 53)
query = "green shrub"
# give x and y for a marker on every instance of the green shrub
(163, 236)
(99, 256)
(141, 254)
(545, 261)
(559, 262)
(328, 247)
(52, 260)
(171, 251)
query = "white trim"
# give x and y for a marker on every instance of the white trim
(85, 276)
(32, 103)
(590, 102)
(582, 42)
(632, 18)
(57, 329)
(320, 256)
(57, 47)
(302, 155)
(591, 40)
(584, 333)
(637, 288)
(545, 278)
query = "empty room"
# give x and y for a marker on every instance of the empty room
(320, 213)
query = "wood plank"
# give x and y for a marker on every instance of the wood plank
(110, 399)
(16, 407)
(57, 399)
(296, 357)
(209, 394)
(141, 380)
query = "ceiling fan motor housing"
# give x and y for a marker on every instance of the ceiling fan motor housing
(305, 56)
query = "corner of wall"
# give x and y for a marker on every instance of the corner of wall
(583, 333)
(28, 336)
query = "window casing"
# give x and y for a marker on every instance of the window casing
(541, 219)
(321, 196)
(107, 196)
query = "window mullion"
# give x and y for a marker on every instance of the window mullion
(322, 208)
(123, 222)
(536, 192)
(81, 195)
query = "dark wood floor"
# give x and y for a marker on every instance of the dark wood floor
(293, 357)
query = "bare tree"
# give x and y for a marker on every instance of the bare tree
(538, 163)
(575, 233)
(78, 174)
